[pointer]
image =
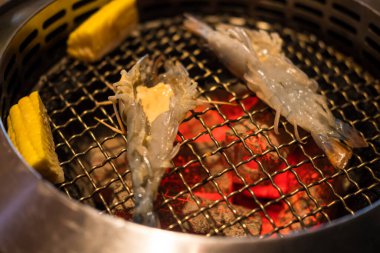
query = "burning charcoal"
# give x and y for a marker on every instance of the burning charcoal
(235, 112)
(260, 146)
(168, 213)
(192, 174)
(122, 198)
(266, 189)
(117, 194)
(304, 206)
(99, 164)
(286, 180)
(194, 127)
(214, 165)
(220, 215)
(217, 167)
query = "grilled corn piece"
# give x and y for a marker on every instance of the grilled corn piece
(103, 31)
(29, 130)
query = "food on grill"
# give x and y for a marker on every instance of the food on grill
(257, 57)
(154, 100)
(152, 106)
(103, 31)
(29, 131)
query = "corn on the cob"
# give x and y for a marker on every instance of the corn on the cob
(29, 130)
(103, 31)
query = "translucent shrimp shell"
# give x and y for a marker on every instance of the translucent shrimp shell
(257, 58)
(150, 147)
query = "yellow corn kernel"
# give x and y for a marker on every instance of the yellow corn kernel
(103, 31)
(29, 130)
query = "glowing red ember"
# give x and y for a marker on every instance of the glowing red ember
(250, 172)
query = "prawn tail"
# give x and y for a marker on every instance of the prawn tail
(337, 152)
(350, 135)
(196, 26)
(338, 147)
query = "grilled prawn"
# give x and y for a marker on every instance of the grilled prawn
(257, 58)
(152, 106)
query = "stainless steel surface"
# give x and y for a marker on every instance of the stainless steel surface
(62, 225)
(13, 15)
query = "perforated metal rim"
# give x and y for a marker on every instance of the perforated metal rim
(352, 25)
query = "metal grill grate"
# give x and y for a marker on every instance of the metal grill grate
(96, 171)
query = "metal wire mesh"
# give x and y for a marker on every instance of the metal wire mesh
(209, 189)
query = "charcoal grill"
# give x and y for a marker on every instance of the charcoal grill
(335, 42)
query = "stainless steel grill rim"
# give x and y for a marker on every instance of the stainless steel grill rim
(359, 192)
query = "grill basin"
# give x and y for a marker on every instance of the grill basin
(88, 151)
(207, 167)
